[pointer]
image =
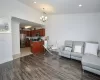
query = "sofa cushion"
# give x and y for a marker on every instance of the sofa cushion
(68, 49)
(66, 52)
(78, 49)
(98, 54)
(91, 48)
(91, 61)
(68, 43)
(78, 43)
(76, 54)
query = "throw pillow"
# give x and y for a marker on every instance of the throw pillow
(78, 49)
(91, 48)
(68, 49)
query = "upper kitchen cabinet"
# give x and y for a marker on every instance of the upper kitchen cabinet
(41, 32)
(28, 33)
(33, 32)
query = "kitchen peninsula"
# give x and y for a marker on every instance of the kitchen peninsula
(37, 47)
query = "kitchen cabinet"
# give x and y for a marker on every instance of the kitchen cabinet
(28, 33)
(33, 33)
(42, 32)
(37, 47)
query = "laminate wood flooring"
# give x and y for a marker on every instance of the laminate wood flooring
(44, 67)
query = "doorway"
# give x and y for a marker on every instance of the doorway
(22, 33)
(25, 37)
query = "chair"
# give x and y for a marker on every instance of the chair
(47, 47)
(63, 52)
(50, 48)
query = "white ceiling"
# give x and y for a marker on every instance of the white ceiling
(65, 6)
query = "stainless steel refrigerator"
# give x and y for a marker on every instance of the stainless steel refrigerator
(22, 40)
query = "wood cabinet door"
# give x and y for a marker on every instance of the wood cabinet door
(30, 33)
(33, 32)
(41, 32)
(25, 32)
(37, 47)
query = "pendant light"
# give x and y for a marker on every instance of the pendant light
(44, 17)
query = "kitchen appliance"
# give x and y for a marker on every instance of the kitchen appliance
(22, 40)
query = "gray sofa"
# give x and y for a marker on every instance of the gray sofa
(72, 54)
(89, 62)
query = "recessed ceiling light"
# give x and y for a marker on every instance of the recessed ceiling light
(80, 5)
(26, 27)
(34, 2)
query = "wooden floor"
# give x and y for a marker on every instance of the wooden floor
(44, 67)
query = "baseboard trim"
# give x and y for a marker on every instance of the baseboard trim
(15, 56)
(5, 61)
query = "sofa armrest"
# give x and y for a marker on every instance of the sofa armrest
(61, 48)
(99, 53)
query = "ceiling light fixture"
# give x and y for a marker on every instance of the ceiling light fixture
(34, 2)
(43, 18)
(26, 27)
(80, 5)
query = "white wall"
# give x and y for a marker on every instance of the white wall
(6, 44)
(5, 48)
(77, 27)
(16, 9)
(15, 37)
